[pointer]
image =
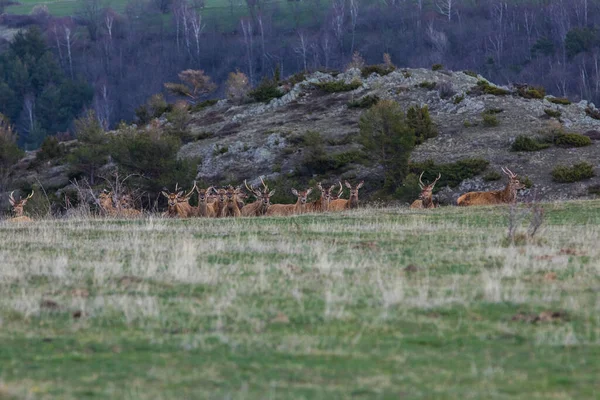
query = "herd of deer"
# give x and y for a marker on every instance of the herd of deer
(229, 202)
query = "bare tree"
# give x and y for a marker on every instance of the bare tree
(446, 7)
(353, 21)
(326, 47)
(338, 9)
(69, 44)
(302, 49)
(248, 41)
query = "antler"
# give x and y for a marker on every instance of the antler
(341, 189)
(189, 194)
(421, 184)
(10, 197)
(30, 196)
(266, 188)
(508, 172)
(436, 179)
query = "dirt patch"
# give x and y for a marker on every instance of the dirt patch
(544, 316)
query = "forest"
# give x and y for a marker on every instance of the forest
(113, 58)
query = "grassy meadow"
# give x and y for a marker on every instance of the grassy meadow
(377, 303)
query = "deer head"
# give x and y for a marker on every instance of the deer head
(514, 182)
(263, 196)
(302, 196)
(18, 205)
(204, 194)
(353, 200)
(427, 190)
(178, 195)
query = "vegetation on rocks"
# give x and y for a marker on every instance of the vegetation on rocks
(527, 143)
(573, 173)
(337, 86)
(452, 173)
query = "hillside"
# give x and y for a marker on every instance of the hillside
(237, 142)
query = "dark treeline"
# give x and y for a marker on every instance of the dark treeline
(125, 58)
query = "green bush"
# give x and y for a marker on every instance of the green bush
(552, 113)
(266, 91)
(380, 70)
(202, 105)
(427, 85)
(470, 73)
(529, 92)
(342, 159)
(458, 99)
(452, 174)
(406, 74)
(419, 120)
(526, 143)
(490, 120)
(492, 111)
(526, 182)
(592, 113)
(492, 176)
(484, 87)
(364, 102)
(337, 86)
(560, 100)
(574, 173)
(437, 67)
(50, 149)
(219, 150)
(296, 78)
(388, 139)
(92, 152)
(572, 140)
(154, 107)
(316, 160)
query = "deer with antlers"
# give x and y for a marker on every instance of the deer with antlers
(262, 203)
(322, 203)
(178, 203)
(232, 203)
(352, 202)
(206, 205)
(288, 209)
(506, 195)
(425, 199)
(18, 206)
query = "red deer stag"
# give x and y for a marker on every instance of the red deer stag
(352, 202)
(338, 195)
(262, 203)
(206, 205)
(232, 203)
(18, 206)
(507, 195)
(425, 199)
(321, 204)
(178, 203)
(125, 207)
(288, 209)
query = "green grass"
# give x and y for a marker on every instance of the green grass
(312, 306)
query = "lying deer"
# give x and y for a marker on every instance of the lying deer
(507, 195)
(288, 209)
(352, 202)
(425, 199)
(321, 204)
(206, 205)
(178, 203)
(232, 203)
(262, 203)
(106, 202)
(18, 206)
(125, 207)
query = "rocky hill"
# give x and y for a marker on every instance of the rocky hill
(235, 142)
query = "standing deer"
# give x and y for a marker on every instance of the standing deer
(262, 203)
(321, 204)
(352, 202)
(232, 204)
(288, 209)
(206, 207)
(178, 203)
(425, 199)
(18, 206)
(506, 195)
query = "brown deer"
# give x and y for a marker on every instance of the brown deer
(321, 204)
(125, 207)
(288, 209)
(18, 206)
(352, 202)
(206, 205)
(105, 200)
(425, 199)
(506, 195)
(178, 203)
(232, 203)
(262, 203)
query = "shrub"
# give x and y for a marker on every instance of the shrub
(529, 92)
(356, 62)
(50, 149)
(92, 152)
(446, 90)
(316, 160)
(560, 100)
(238, 86)
(266, 91)
(484, 87)
(337, 86)
(419, 120)
(364, 102)
(296, 78)
(196, 84)
(381, 70)
(342, 159)
(406, 74)
(526, 143)
(526, 182)
(9, 151)
(389, 140)
(154, 107)
(219, 150)
(572, 140)
(470, 73)
(490, 120)
(574, 173)
(427, 85)
(452, 174)
(592, 113)
(552, 113)
(492, 176)
(458, 99)
(202, 105)
(492, 111)
(594, 190)
(437, 67)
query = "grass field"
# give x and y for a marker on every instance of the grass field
(378, 303)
